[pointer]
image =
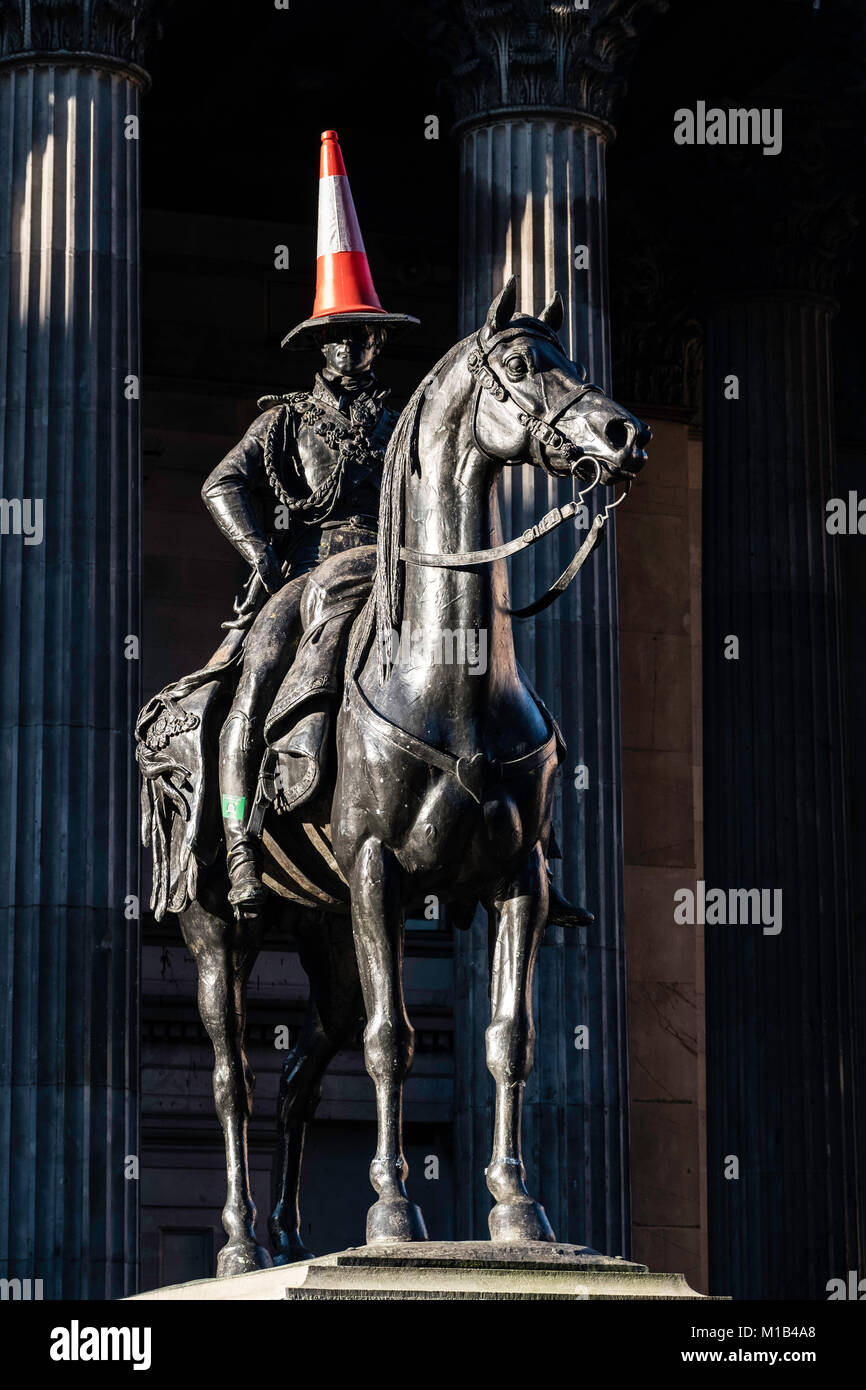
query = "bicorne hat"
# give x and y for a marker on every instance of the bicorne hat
(345, 293)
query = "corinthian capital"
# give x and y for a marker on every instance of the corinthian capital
(557, 55)
(116, 30)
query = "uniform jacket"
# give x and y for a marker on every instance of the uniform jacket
(312, 458)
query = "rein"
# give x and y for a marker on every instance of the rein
(542, 428)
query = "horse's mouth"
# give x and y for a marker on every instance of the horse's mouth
(620, 472)
(590, 469)
(606, 472)
(630, 470)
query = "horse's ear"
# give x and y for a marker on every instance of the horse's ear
(554, 314)
(501, 310)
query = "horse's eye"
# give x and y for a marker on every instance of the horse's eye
(516, 367)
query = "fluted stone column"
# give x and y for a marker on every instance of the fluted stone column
(781, 1151)
(536, 88)
(779, 1009)
(69, 600)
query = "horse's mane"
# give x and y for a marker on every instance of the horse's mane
(385, 606)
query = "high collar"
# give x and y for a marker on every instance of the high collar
(346, 385)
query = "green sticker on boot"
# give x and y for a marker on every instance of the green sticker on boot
(233, 807)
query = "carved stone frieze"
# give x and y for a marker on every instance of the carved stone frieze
(122, 30)
(549, 54)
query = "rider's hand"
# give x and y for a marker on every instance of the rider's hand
(268, 569)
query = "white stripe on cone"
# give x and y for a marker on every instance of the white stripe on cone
(338, 224)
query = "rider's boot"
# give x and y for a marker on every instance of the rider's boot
(244, 863)
(562, 913)
(239, 763)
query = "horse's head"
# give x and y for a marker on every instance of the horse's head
(535, 404)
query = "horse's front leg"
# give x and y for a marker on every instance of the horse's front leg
(377, 923)
(225, 952)
(520, 918)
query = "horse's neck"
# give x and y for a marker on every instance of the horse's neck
(455, 659)
(454, 679)
(452, 506)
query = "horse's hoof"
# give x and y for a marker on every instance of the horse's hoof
(241, 1257)
(394, 1220)
(518, 1221)
(289, 1249)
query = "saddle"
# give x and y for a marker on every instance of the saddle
(300, 726)
(178, 730)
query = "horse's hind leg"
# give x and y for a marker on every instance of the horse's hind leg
(224, 951)
(334, 1014)
(521, 915)
(377, 920)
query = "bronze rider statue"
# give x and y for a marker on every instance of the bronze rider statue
(303, 484)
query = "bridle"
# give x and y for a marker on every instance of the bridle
(540, 426)
(545, 437)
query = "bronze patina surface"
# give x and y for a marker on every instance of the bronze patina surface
(417, 777)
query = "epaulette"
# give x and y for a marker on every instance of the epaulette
(295, 400)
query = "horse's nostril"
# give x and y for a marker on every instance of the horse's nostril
(618, 433)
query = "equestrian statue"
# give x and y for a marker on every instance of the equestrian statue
(319, 772)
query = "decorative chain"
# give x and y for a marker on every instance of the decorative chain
(352, 443)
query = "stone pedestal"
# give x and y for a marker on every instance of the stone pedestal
(444, 1271)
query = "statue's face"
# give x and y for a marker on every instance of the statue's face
(353, 352)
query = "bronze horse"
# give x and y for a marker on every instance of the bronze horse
(446, 775)
(444, 784)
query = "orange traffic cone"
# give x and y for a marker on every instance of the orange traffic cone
(345, 292)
